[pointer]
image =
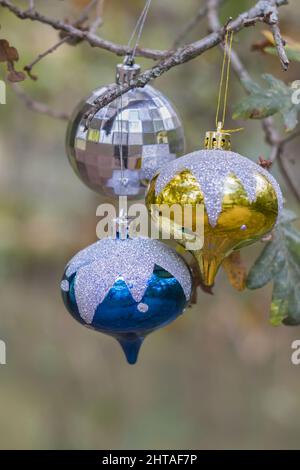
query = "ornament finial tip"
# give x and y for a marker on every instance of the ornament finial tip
(131, 347)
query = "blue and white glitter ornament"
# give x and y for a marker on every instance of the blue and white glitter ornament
(126, 288)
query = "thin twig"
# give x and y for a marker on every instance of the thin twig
(79, 34)
(85, 13)
(31, 5)
(272, 19)
(82, 18)
(259, 12)
(272, 136)
(254, 14)
(99, 17)
(28, 68)
(37, 105)
(201, 13)
(182, 55)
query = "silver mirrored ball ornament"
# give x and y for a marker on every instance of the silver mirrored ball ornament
(146, 126)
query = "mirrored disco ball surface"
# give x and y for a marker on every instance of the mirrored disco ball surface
(148, 128)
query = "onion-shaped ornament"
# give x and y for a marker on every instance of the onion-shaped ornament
(117, 151)
(126, 288)
(242, 201)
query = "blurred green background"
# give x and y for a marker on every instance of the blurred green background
(220, 376)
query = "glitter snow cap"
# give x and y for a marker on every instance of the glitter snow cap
(126, 288)
(210, 168)
(133, 260)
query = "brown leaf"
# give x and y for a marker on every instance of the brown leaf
(15, 76)
(10, 55)
(261, 45)
(7, 52)
(266, 164)
(235, 270)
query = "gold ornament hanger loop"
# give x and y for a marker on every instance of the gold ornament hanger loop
(221, 138)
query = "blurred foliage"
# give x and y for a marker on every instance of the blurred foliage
(235, 270)
(280, 262)
(292, 47)
(264, 102)
(220, 376)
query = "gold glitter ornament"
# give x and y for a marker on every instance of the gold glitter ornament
(241, 204)
(241, 200)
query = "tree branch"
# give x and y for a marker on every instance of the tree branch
(28, 68)
(264, 10)
(37, 105)
(201, 13)
(272, 19)
(76, 33)
(98, 4)
(184, 54)
(99, 17)
(272, 136)
(257, 13)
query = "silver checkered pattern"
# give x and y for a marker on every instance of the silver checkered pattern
(147, 127)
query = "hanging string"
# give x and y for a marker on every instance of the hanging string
(137, 32)
(224, 84)
(120, 132)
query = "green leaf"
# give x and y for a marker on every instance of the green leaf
(292, 54)
(263, 102)
(280, 262)
(292, 46)
(290, 118)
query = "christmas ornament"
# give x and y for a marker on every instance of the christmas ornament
(242, 201)
(121, 147)
(126, 288)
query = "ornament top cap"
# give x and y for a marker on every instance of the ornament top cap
(127, 71)
(217, 140)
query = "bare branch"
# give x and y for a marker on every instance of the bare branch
(31, 5)
(272, 136)
(201, 13)
(79, 34)
(262, 10)
(272, 19)
(258, 13)
(37, 105)
(28, 68)
(282, 165)
(86, 11)
(83, 17)
(99, 17)
(214, 25)
(182, 55)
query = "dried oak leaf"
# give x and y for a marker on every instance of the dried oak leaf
(7, 52)
(10, 55)
(236, 270)
(266, 164)
(13, 75)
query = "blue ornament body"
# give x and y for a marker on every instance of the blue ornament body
(126, 289)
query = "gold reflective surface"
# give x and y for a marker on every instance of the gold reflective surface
(240, 223)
